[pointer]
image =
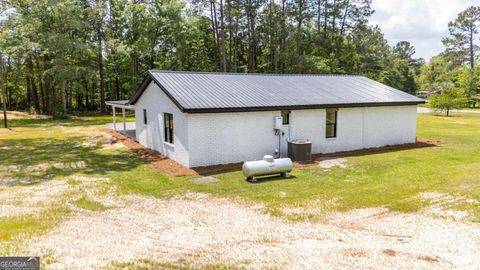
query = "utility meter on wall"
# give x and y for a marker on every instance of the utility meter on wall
(277, 125)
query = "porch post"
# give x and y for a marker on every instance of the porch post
(123, 117)
(114, 118)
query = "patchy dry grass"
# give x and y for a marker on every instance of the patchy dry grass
(446, 205)
(328, 163)
(28, 225)
(146, 264)
(389, 252)
(16, 230)
(45, 169)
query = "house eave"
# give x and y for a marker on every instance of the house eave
(299, 107)
(141, 88)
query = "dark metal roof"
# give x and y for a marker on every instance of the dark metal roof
(228, 92)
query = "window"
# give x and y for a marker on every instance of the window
(145, 116)
(168, 124)
(285, 117)
(331, 128)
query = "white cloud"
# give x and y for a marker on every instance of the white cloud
(422, 22)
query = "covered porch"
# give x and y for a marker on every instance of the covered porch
(126, 128)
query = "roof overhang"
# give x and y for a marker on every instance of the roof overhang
(300, 107)
(124, 104)
(141, 88)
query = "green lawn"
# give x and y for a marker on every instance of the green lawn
(391, 180)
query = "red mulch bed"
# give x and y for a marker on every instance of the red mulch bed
(420, 143)
(154, 158)
(173, 168)
(207, 170)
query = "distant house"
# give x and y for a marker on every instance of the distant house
(201, 119)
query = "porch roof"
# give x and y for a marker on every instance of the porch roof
(124, 104)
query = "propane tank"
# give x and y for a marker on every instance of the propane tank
(267, 166)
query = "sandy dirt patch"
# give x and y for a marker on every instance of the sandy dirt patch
(19, 181)
(9, 168)
(199, 229)
(43, 167)
(30, 199)
(205, 180)
(443, 204)
(24, 115)
(88, 179)
(113, 146)
(454, 244)
(33, 198)
(101, 138)
(314, 208)
(105, 194)
(327, 163)
(93, 137)
(70, 165)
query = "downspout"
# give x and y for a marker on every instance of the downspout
(279, 143)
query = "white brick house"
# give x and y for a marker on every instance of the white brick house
(202, 119)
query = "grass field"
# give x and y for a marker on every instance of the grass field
(392, 179)
(39, 151)
(427, 105)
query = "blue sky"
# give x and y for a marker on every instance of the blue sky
(422, 22)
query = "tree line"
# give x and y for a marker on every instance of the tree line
(69, 56)
(451, 79)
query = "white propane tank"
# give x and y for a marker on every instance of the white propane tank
(267, 166)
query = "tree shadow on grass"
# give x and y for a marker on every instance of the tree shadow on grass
(29, 161)
(77, 121)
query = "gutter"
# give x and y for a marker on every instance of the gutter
(300, 107)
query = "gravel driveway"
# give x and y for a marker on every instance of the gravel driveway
(200, 230)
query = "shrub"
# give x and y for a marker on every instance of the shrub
(449, 99)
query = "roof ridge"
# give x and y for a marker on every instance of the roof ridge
(253, 74)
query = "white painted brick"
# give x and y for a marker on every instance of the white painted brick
(152, 135)
(218, 138)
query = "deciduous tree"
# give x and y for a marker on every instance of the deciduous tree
(449, 99)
